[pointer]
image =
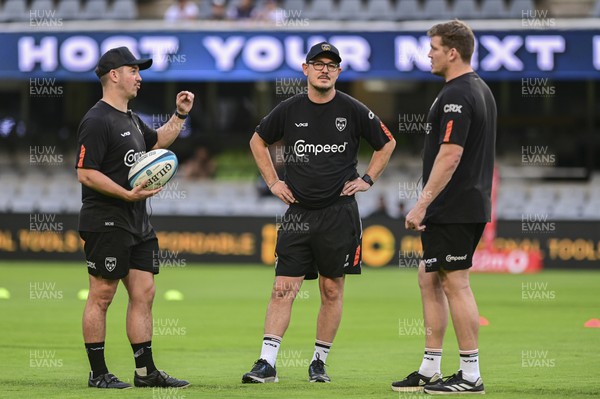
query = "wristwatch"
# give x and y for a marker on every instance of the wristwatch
(368, 179)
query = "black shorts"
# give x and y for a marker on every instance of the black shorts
(450, 246)
(319, 241)
(112, 253)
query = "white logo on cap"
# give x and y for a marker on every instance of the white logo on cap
(325, 47)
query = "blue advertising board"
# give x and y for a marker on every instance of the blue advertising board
(266, 55)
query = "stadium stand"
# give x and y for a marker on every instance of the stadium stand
(123, 9)
(318, 10)
(408, 10)
(437, 9)
(465, 9)
(94, 9)
(493, 9)
(596, 10)
(293, 4)
(68, 9)
(41, 5)
(15, 10)
(324, 9)
(518, 7)
(57, 190)
(379, 10)
(351, 9)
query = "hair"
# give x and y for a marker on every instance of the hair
(103, 78)
(455, 34)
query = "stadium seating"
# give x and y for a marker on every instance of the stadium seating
(41, 5)
(465, 9)
(437, 9)
(59, 191)
(294, 4)
(344, 10)
(94, 9)
(517, 8)
(15, 10)
(596, 10)
(123, 9)
(322, 9)
(407, 10)
(493, 9)
(68, 9)
(351, 10)
(379, 10)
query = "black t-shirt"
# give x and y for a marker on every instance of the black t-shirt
(464, 113)
(110, 141)
(321, 144)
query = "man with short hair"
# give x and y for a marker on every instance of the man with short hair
(321, 130)
(453, 209)
(119, 239)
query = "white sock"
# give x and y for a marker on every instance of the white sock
(322, 349)
(270, 348)
(469, 364)
(431, 364)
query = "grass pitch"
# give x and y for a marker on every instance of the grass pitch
(534, 346)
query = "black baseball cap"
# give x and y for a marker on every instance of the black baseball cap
(117, 57)
(324, 48)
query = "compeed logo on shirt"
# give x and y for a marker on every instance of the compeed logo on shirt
(131, 157)
(301, 148)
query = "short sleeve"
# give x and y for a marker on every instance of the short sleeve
(271, 127)
(150, 135)
(92, 142)
(372, 128)
(455, 118)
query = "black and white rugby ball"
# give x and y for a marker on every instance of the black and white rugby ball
(156, 166)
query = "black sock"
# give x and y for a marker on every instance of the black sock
(142, 354)
(95, 353)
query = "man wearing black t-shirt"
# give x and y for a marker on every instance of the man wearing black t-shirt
(320, 233)
(119, 239)
(453, 209)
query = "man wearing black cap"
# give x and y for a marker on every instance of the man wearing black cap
(113, 222)
(320, 234)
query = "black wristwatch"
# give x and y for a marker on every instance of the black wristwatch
(368, 179)
(181, 116)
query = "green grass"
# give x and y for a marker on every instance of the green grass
(219, 329)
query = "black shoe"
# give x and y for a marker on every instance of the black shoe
(316, 371)
(158, 379)
(107, 380)
(455, 384)
(415, 382)
(262, 372)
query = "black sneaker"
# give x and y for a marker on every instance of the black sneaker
(107, 380)
(158, 379)
(455, 384)
(316, 371)
(415, 382)
(262, 372)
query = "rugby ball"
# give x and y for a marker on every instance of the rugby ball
(156, 166)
